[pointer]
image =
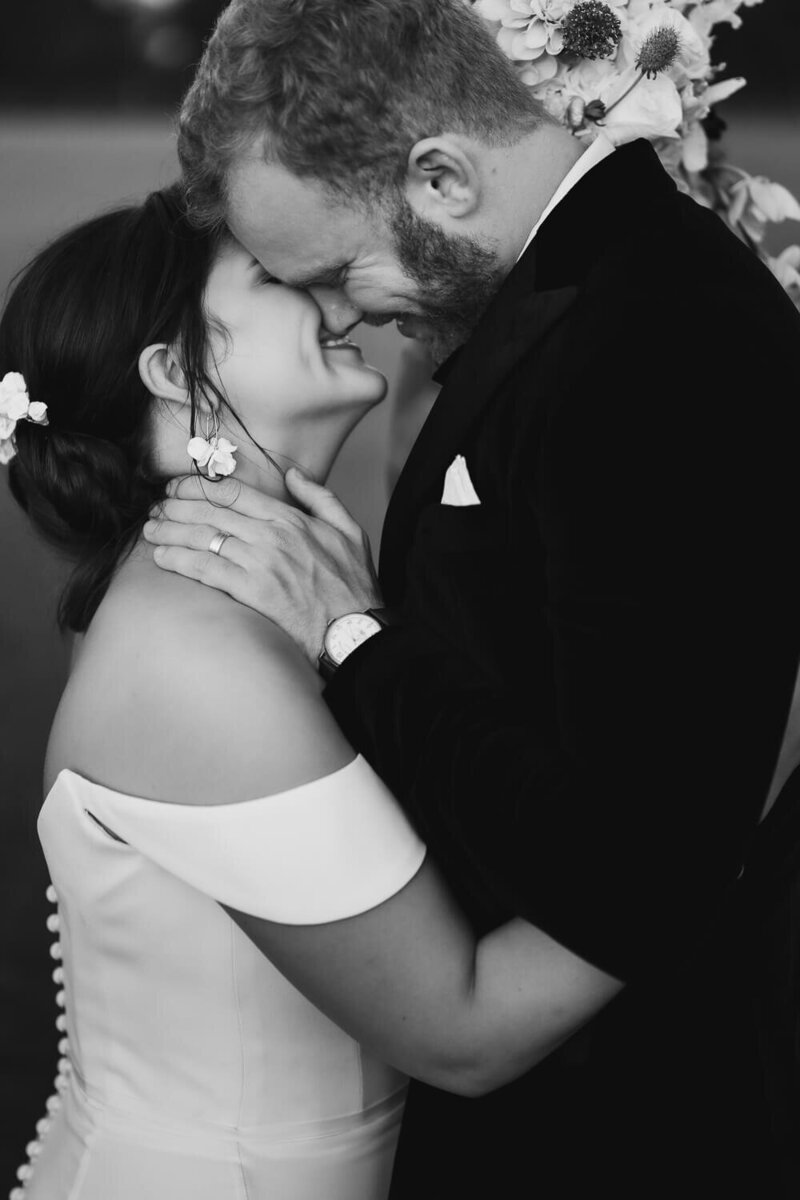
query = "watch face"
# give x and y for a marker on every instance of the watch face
(346, 633)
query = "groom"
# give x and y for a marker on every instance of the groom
(577, 667)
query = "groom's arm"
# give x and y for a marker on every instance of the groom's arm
(672, 613)
(672, 608)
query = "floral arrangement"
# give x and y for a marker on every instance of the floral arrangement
(16, 405)
(642, 68)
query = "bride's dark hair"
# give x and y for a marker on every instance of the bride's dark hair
(75, 324)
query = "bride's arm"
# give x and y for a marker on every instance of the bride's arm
(226, 710)
(408, 978)
(410, 981)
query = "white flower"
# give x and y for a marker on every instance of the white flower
(529, 28)
(773, 200)
(755, 201)
(37, 412)
(539, 70)
(13, 396)
(694, 154)
(12, 382)
(786, 268)
(551, 93)
(692, 58)
(216, 456)
(665, 50)
(652, 109)
(717, 92)
(698, 99)
(717, 12)
(704, 17)
(587, 79)
(15, 406)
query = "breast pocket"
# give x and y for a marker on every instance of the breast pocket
(461, 581)
(455, 529)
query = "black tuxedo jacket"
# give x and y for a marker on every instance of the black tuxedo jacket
(583, 704)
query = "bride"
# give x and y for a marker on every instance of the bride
(195, 780)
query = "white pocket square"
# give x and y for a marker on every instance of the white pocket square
(458, 489)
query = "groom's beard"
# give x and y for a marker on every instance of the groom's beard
(456, 276)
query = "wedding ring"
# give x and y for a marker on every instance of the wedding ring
(218, 541)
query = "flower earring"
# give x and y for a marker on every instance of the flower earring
(213, 454)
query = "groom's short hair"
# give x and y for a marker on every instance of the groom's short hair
(340, 90)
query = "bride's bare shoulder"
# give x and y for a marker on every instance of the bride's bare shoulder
(178, 693)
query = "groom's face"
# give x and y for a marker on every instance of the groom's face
(376, 264)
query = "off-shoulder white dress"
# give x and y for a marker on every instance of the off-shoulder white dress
(190, 1068)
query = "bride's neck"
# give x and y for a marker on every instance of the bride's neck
(260, 466)
(263, 471)
(264, 468)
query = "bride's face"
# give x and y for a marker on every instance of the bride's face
(277, 366)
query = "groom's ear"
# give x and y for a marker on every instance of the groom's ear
(443, 180)
(162, 375)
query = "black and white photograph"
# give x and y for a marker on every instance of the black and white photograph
(400, 604)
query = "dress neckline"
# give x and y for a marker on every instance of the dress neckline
(65, 774)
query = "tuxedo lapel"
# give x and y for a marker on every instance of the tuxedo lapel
(480, 368)
(607, 204)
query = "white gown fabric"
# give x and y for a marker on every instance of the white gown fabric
(191, 1069)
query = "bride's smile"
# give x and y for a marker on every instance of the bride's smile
(272, 347)
(293, 389)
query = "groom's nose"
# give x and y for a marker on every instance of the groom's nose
(339, 314)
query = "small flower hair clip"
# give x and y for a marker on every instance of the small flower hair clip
(15, 406)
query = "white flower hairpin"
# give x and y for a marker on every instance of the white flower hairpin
(15, 406)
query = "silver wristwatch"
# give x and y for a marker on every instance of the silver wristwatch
(345, 634)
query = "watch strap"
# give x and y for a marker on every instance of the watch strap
(384, 616)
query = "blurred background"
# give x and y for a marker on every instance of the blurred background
(88, 91)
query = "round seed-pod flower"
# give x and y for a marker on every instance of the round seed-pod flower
(591, 30)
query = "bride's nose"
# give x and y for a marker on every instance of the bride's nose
(339, 314)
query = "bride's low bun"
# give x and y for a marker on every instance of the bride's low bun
(75, 324)
(88, 498)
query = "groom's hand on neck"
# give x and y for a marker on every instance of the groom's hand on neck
(299, 566)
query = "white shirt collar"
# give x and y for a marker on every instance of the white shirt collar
(599, 149)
